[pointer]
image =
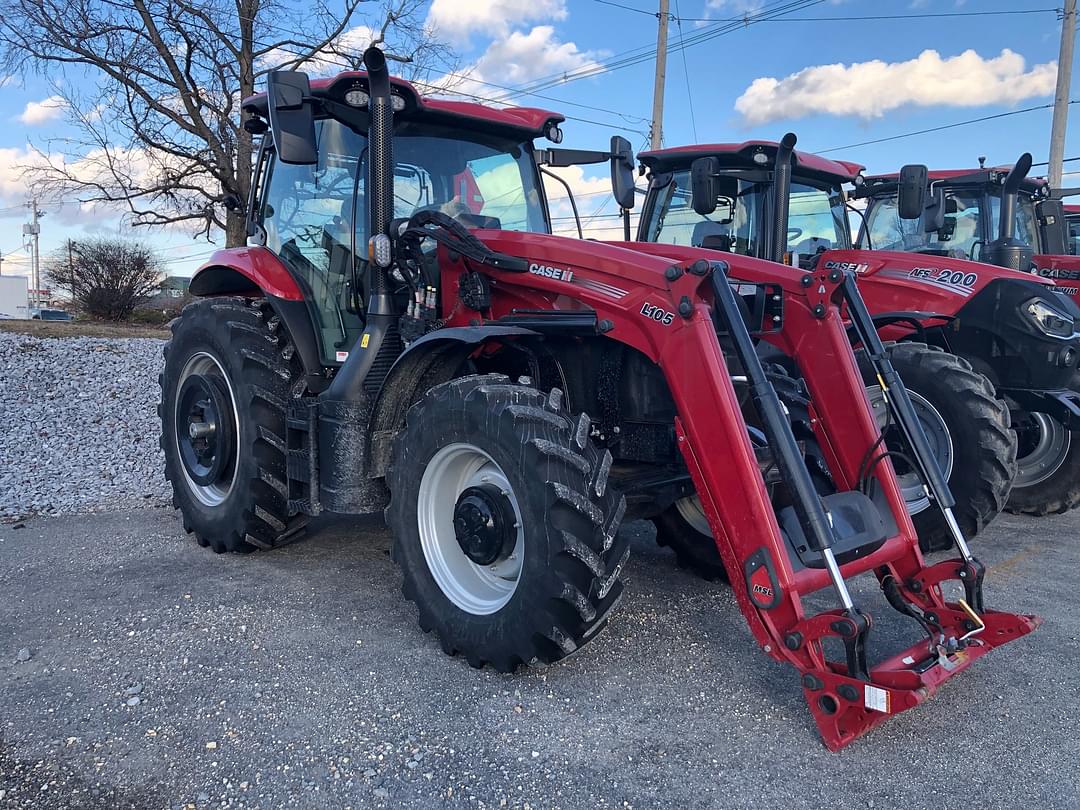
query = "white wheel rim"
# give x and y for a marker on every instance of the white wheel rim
(691, 510)
(1046, 457)
(204, 363)
(477, 589)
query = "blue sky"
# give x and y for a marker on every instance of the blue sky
(758, 81)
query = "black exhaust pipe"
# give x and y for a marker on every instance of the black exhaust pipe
(345, 407)
(1007, 250)
(781, 195)
(1009, 192)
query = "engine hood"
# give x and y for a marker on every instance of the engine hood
(895, 281)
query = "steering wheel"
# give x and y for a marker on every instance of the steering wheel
(793, 234)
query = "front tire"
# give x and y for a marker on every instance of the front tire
(504, 525)
(969, 429)
(229, 372)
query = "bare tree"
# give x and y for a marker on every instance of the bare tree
(153, 90)
(107, 278)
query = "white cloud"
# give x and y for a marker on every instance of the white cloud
(871, 89)
(592, 193)
(41, 112)
(495, 17)
(520, 58)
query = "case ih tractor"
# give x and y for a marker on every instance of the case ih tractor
(404, 335)
(964, 335)
(958, 213)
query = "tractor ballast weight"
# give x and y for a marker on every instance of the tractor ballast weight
(510, 396)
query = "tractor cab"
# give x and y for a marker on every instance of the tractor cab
(743, 220)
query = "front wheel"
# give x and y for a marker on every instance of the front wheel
(504, 525)
(229, 371)
(968, 429)
(1048, 462)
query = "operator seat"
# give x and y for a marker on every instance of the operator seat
(711, 235)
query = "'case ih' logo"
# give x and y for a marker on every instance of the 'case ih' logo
(852, 266)
(551, 272)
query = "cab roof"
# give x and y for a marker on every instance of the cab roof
(991, 175)
(523, 122)
(741, 155)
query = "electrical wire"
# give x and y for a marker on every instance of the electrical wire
(686, 75)
(939, 128)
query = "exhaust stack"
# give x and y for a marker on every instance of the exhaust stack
(1007, 250)
(781, 196)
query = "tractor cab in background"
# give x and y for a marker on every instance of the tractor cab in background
(1015, 338)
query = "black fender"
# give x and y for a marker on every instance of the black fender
(913, 318)
(427, 362)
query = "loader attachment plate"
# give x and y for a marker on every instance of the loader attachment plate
(845, 708)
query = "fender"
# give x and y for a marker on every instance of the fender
(245, 271)
(427, 362)
(256, 271)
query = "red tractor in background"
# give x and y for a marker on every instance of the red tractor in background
(1003, 217)
(507, 398)
(961, 333)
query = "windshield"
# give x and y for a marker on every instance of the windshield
(1025, 219)
(816, 218)
(958, 238)
(315, 218)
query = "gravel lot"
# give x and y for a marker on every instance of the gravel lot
(80, 424)
(157, 674)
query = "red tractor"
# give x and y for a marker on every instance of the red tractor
(959, 213)
(964, 336)
(404, 335)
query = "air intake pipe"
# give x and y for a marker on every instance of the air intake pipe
(380, 179)
(781, 196)
(1007, 250)
(345, 406)
(1009, 192)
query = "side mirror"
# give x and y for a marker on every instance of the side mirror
(704, 188)
(292, 120)
(911, 194)
(622, 172)
(1053, 230)
(934, 213)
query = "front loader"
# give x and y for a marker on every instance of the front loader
(403, 334)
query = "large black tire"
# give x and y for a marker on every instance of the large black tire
(571, 555)
(1049, 492)
(979, 427)
(243, 351)
(681, 527)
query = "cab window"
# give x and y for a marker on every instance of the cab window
(731, 227)
(960, 238)
(314, 218)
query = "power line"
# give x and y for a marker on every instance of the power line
(938, 129)
(686, 74)
(639, 55)
(928, 15)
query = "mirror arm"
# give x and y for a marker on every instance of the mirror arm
(570, 194)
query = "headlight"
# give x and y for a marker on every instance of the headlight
(1048, 320)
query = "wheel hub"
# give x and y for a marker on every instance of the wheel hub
(1043, 447)
(485, 524)
(204, 428)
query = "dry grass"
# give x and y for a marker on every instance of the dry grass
(54, 329)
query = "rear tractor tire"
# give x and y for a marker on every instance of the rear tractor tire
(970, 436)
(504, 525)
(229, 372)
(1048, 465)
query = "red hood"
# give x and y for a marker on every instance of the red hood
(894, 281)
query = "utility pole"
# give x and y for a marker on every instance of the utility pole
(1061, 95)
(33, 230)
(657, 135)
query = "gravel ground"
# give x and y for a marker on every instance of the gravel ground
(80, 427)
(138, 670)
